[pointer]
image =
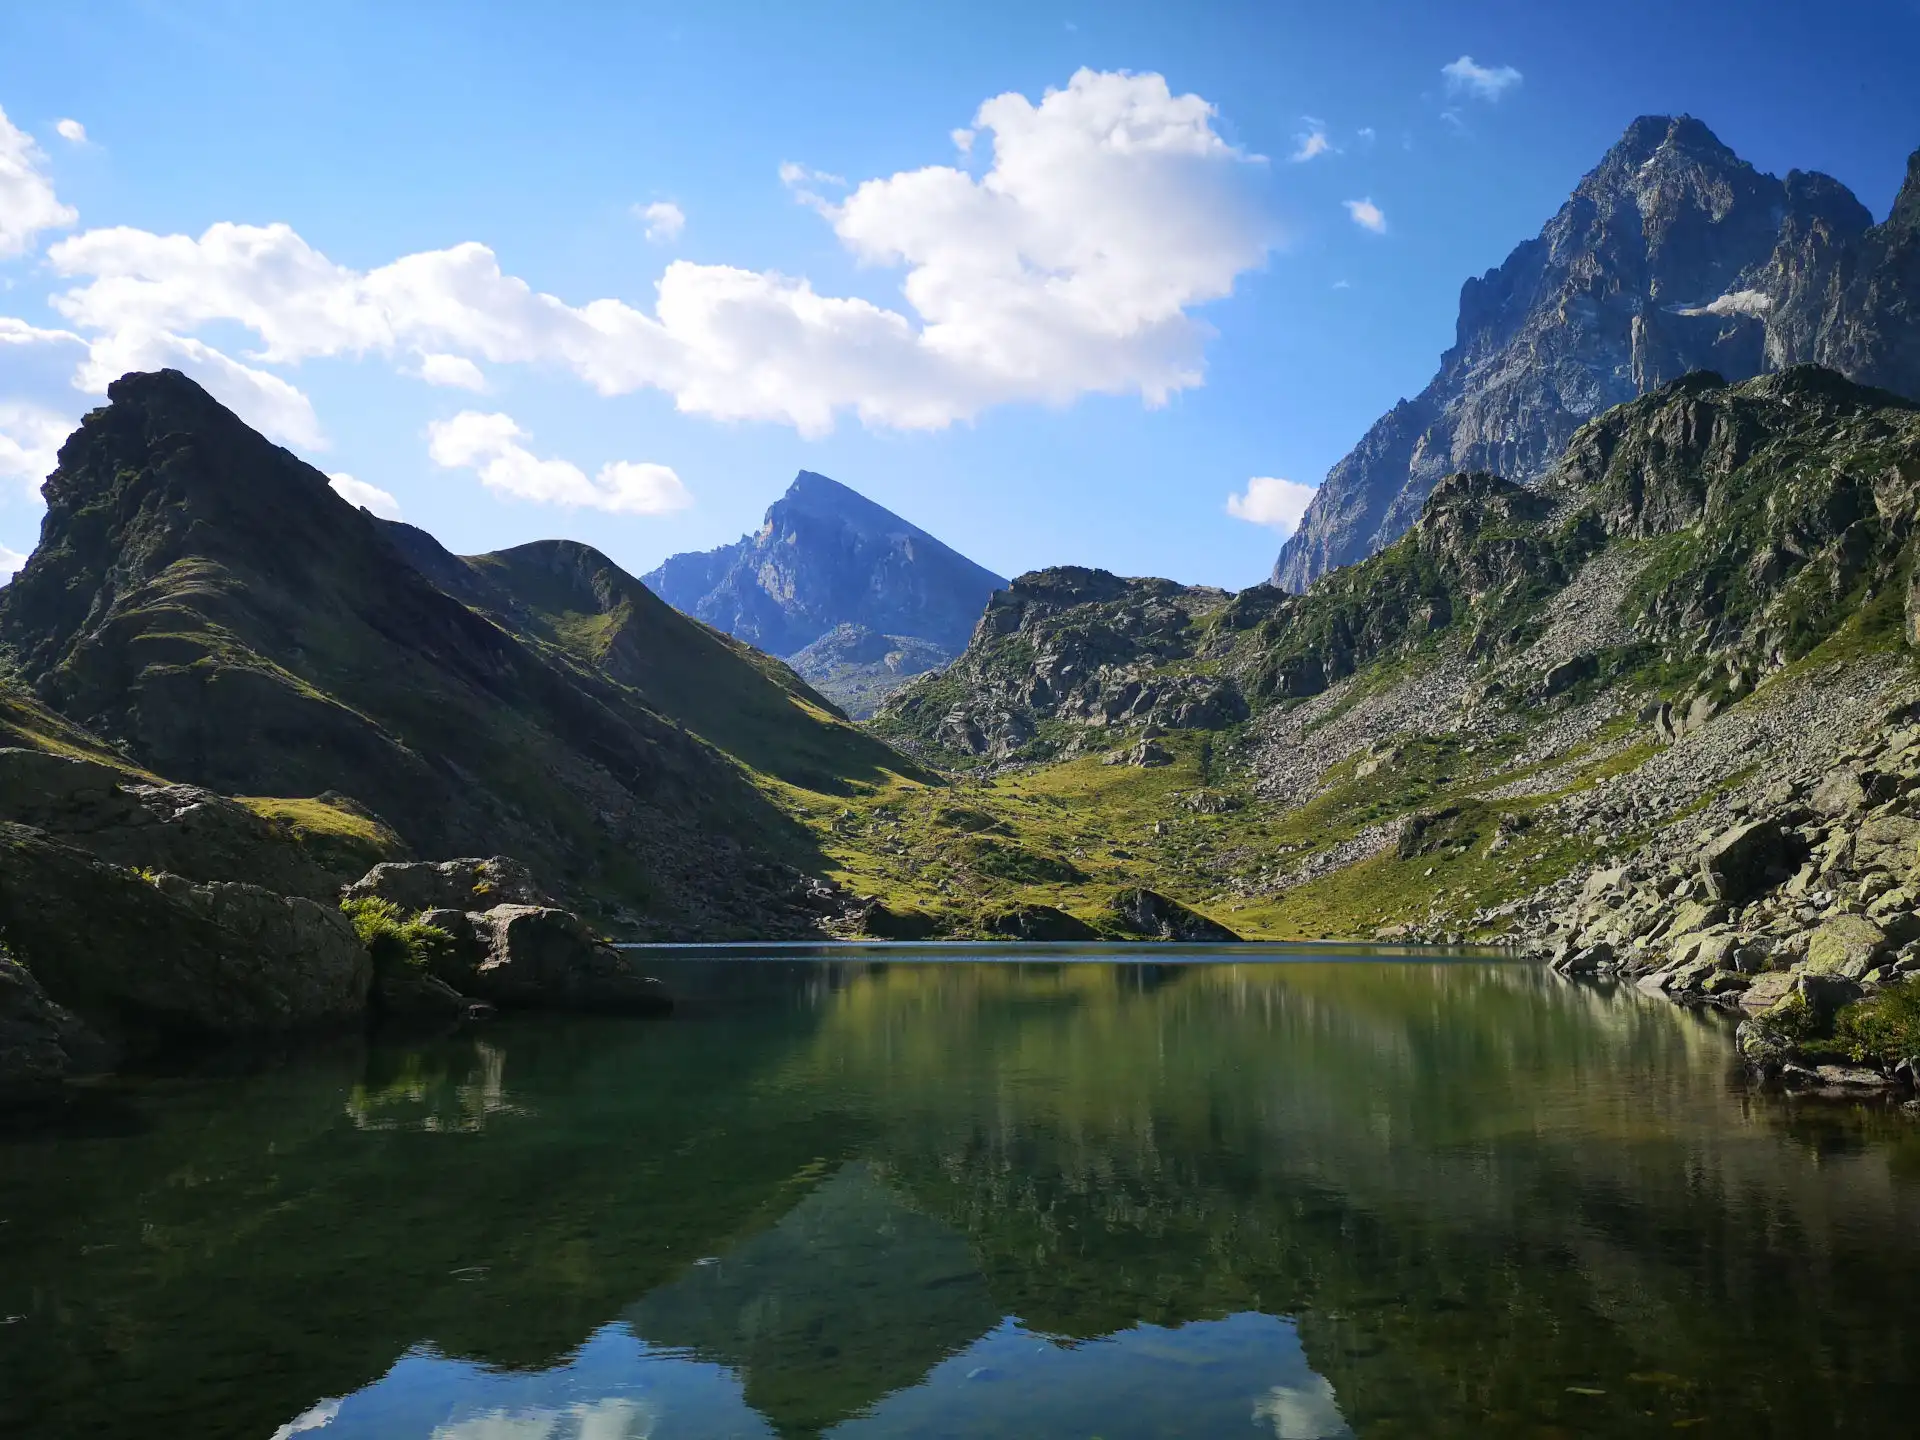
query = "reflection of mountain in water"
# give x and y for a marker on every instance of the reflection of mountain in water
(849, 1297)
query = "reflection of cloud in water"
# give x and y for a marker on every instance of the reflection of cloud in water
(1301, 1412)
(614, 1418)
(318, 1418)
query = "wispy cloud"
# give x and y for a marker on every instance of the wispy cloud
(1310, 143)
(1483, 82)
(72, 131)
(664, 220)
(1367, 215)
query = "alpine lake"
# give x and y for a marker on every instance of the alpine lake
(918, 1191)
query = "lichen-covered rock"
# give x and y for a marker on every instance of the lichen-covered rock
(465, 884)
(1887, 842)
(163, 958)
(1766, 991)
(1847, 946)
(1148, 913)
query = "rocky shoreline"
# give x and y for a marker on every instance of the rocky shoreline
(1803, 916)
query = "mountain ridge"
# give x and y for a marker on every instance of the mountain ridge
(203, 600)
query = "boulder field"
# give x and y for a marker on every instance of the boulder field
(1804, 916)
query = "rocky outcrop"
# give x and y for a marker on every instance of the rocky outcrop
(179, 828)
(541, 958)
(826, 557)
(1153, 916)
(1672, 255)
(459, 885)
(1039, 922)
(157, 958)
(1074, 645)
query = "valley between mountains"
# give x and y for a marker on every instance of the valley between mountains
(1648, 706)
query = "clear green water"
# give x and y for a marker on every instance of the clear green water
(1092, 1199)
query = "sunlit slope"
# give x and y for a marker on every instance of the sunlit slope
(1711, 585)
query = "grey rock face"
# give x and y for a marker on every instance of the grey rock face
(1672, 255)
(827, 556)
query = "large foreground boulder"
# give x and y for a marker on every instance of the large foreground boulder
(1148, 913)
(534, 957)
(543, 958)
(469, 884)
(1748, 860)
(157, 957)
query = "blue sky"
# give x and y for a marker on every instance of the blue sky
(1073, 347)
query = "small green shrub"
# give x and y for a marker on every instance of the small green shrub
(1794, 1020)
(394, 939)
(1885, 1028)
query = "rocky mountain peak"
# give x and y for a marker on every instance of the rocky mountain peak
(1671, 255)
(826, 556)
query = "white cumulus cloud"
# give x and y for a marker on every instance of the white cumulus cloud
(72, 131)
(27, 202)
(30, 440)
(1483, 82)
(1367, 215)
(1112, 208)
(10, 563)
(664, 220)
(370, 497)
(454, 371)
(1269, 500)
(491, 446)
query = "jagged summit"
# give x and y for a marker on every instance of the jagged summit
(1672, 254)
(824, 557)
